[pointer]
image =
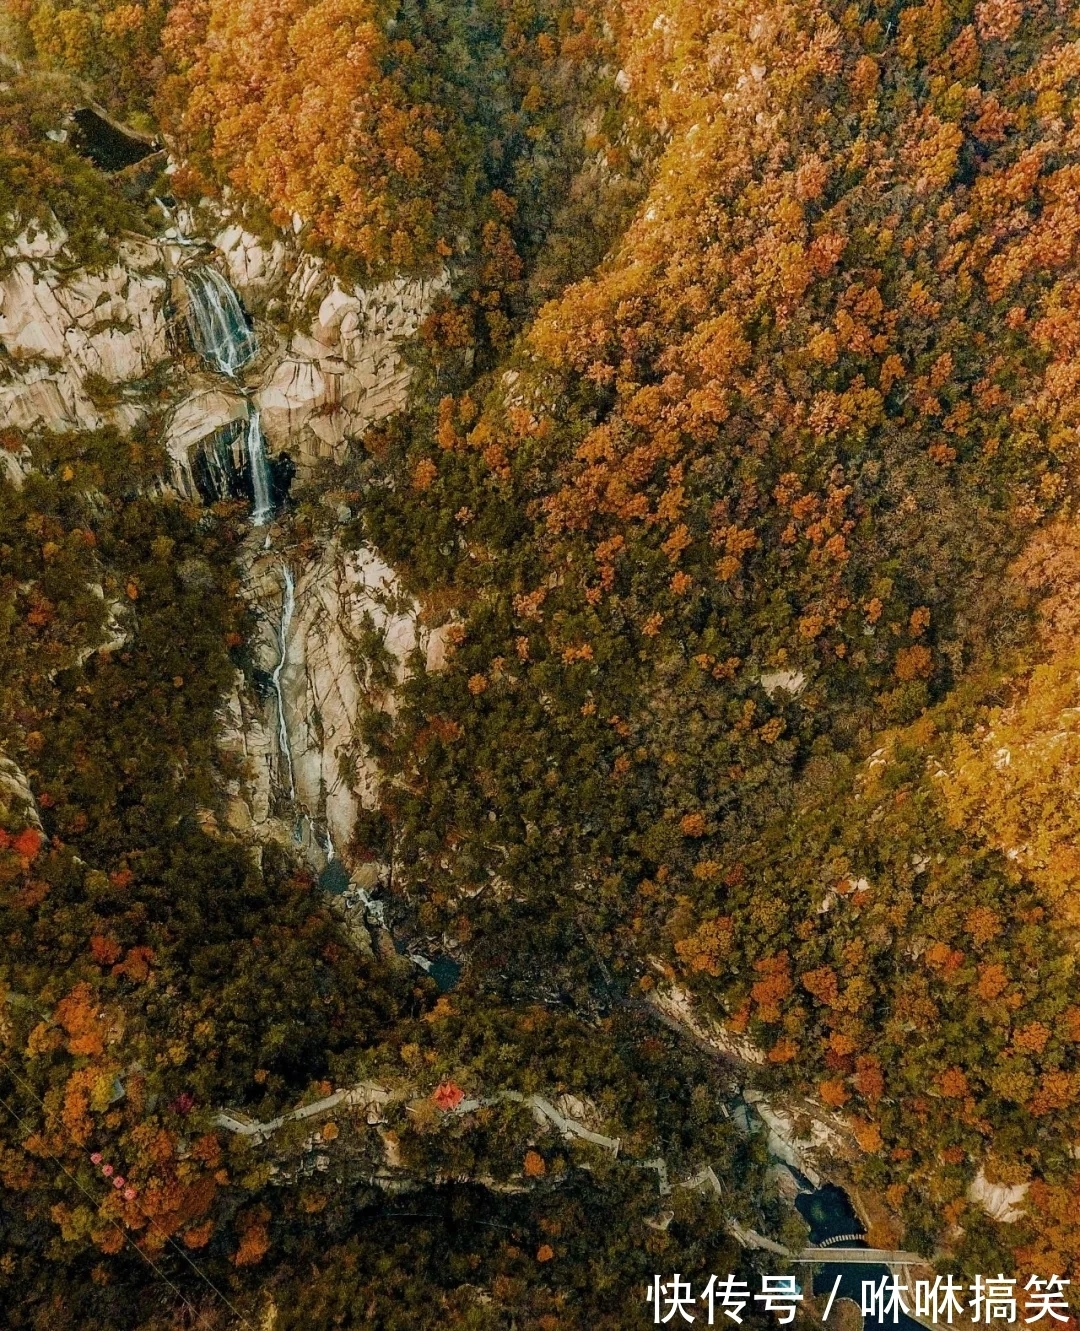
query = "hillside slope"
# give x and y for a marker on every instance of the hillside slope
(738, 477)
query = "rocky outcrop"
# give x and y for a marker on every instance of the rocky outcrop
(1002, 1202)
(349, 643)
(116, 630)
(246, 732)
(332, 383)
(15, 465)
(253, 267)
(62, 331)
(315, 389)
(350, 639)
(76, 345)
(77, 348)
(783, 681)
(15, 792)
(800, 1133)
(210, 408)
(676, 1007)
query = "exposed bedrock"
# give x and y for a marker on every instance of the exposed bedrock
(348, 643)
(80, 349)
(65, 336)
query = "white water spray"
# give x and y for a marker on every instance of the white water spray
(261, 481)
(216, 318)
(220, 331)
(328, 845)
(288, 605)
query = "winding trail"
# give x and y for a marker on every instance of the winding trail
(368, 1093)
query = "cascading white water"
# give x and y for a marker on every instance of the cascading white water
(222, 336)
(288, 605)
(216, 319)
(261, 480)
(221, 333)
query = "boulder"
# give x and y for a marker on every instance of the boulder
(254, 268)
(196, 419)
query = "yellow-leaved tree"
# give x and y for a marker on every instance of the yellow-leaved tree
(300, 105)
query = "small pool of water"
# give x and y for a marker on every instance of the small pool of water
(834, 1222)
(443, 969)
(446, 972)
(107, 146)
(334, 878)
(829, 1213)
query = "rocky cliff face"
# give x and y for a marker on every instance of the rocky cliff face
(65, 333)
(347, 643)
(79, 346)
(327, 385)
(80, 349)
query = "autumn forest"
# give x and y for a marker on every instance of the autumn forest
(731, 493)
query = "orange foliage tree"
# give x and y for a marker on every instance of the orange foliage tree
(296, 105)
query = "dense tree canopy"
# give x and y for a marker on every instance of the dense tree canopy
(741, 452)
(748, 500)
(381, 131)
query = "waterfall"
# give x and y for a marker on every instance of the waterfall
(261, 482)
(288, 605)
(220, 331)
(216, 318)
